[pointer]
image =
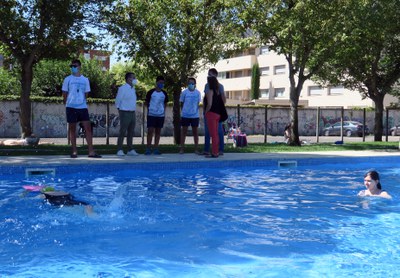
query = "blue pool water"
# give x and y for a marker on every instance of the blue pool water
(204, 220)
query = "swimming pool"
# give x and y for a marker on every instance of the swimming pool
(220, 219)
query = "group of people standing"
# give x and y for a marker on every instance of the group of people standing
(76, 87)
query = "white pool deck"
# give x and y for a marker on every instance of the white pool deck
(187, 157)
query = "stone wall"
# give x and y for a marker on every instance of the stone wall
(48, 120)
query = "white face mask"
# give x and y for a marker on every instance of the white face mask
(134, 82)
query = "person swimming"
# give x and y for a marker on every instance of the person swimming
(373, 185)
(62, 198)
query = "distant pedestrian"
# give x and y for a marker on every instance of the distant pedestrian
(156, 102)
(75, 89)
(126, 105)
(190, 99)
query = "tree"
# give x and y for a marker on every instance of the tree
(173, 38)
(32, 30)
(255, 82)
(50, 73)
(302, 31)
(367, 56)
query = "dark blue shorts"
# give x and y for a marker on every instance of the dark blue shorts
(156, 122)
(193, 122)
(77, 115)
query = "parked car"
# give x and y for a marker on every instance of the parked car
(350, 128)
(394, 131)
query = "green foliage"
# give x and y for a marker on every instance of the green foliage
(48, 77)
(367, 56)
(9, 84)
(302, 31)
(33, 30)
(255, 82)
(119, 70)
(102, 84)
(173, 38)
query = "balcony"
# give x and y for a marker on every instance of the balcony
(237, 63)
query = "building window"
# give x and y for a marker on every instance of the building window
(222, 75)
(86, 56)
(338, 90)
(279, 92)
(281, 69)
(264, 71)
(264, 93)
(315, 91)
(264, 50)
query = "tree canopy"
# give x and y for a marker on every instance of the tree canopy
(32, 30)
(302, 31)
(367, 56)
(173, 38)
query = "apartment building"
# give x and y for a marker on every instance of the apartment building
(235, 75)
(99, 55)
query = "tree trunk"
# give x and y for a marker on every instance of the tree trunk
(378, 129)
(25, 101)
(177, 117)
(294, 103)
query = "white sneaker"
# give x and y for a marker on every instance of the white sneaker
(132, 153)
(120, 153)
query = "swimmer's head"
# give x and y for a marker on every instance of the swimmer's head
(47, 189)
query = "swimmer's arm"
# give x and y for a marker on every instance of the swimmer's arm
(384, 194)
(361, 193)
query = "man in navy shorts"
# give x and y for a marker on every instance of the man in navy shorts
(75, 89)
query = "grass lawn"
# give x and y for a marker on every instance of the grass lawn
(251, 148)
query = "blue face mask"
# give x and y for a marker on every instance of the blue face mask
(191, 87)
(74, 70)
(160, 85)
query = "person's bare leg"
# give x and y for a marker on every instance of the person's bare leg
(72, 137)
(89, 137)
(157, 135)
(195, 138)
(150, 132)
(183, 138)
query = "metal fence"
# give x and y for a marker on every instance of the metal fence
(48, 120)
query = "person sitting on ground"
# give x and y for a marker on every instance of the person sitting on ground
(373, 185)
(28, 141)
(287, 133)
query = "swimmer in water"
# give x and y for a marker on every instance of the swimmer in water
(62, 198)
(373, 185)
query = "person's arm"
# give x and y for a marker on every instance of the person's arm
(384, 194)
(148, 97)
(222, 92)
(118, 99)
(64, 89)
(87, 90)
(209, 96)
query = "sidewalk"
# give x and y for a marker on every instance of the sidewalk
(189, 139)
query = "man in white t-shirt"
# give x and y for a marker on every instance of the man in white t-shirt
(190, 99)
(75, 89)
(126, 104)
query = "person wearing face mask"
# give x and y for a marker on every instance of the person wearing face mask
(126, 105)
(156, 102)
(190, 99)
(214, 73)
(75, 89)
